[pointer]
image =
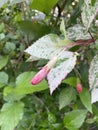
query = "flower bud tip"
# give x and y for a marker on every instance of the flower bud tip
(79, 88)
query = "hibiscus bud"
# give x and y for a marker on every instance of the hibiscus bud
(43, 72)
(79, 88)
(40, 75)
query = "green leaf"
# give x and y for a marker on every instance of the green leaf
(89, 12)
(23, 86)
(72, 81)
(93, 2)
(86, 99)
(1, 27)
(58, 73)
(2, 36)
(9, 46)
(51, 118)
(10, 115)
(73, 120)
(93, 79)
(35, 29)
(3, 79)
(3, 61)
(91, 120)
(95, 110)
(66, 96)
(62, 29)
(10, 94)
(43, 5)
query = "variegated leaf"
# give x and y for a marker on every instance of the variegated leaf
(77, 32)
(32, 58)
(93, 79)
(94, 95)
(47, 47)
(57, 74)
(89, 12)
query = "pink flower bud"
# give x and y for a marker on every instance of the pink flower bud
(43, 72)
(40, 75)
(79, 88)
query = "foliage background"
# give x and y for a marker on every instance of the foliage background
(27, 107)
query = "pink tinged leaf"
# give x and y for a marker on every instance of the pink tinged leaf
(57, 74)
(43, 72)
(79, 88)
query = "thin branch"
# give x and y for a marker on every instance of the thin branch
(79, 42)
(41, 101)
(77, 73)
(60, 9)
(91, 35)
(24, 17)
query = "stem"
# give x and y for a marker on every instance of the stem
(91, 35)
(79, 42)
(60, 9)
(41, 102)
(77, 73)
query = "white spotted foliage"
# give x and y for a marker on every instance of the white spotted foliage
(93, 79)
(89, 12)
(57, 74)
(77, 32)
(47, 47)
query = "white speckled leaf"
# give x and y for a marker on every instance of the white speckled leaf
(32, 58)
(93, 72)
(77, 32)
(57, 74)
(94, 95)
(93, 79)
(46, 47)
(89, 12)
